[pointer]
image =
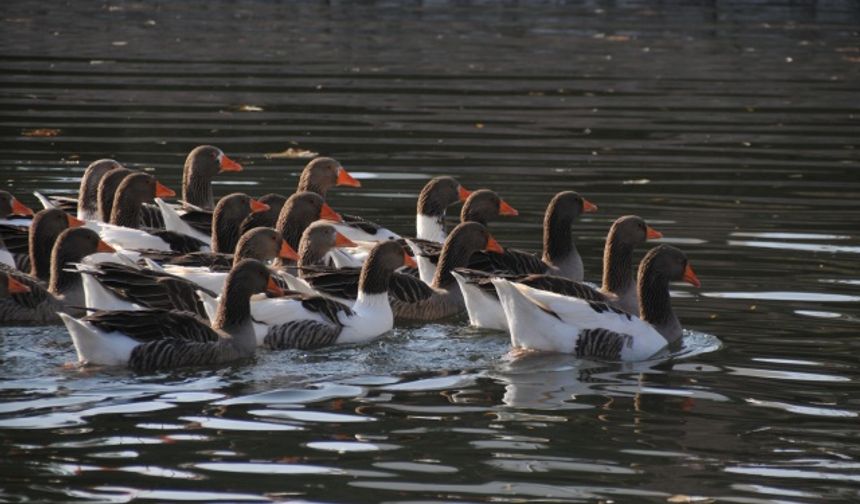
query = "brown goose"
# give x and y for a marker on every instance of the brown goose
(412, 299)
(201, 165)
(10, 286)
(267, 218)
(163, 339)
(31, 245)
(124, 230)
(13, 231)
(64, 292)
(111, 286)
(225, 221)
(85, 205)
(433, 201)
(106, 191)
(618, 288)
(482, 206)
(262, 243)
(323, 173)
(541, 320)
(320, 175)
(300, 210)
(560, 256)
(314, 322)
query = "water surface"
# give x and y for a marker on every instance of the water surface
(730, 126)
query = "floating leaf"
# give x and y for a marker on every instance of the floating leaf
(618, 38)
(41, 132)
(250, 108)
(293, 153)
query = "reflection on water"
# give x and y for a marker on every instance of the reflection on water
(728, 126)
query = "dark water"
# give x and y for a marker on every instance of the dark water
(732, 127)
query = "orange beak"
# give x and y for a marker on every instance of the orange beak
(345, 179)
(16, 287)
(690, 276)
(74, 221)
(273, 288)
(493, 246)
(342, 241)
(409, 261)
(287, 252)
(505, 209)
(19, 208)
(328, 214)
(162, 191)
(104, 247)
(464, 193)
(228, 164)
(258, 206)
(588, 207)
(652, 234)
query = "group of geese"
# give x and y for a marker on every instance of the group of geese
(151, 285)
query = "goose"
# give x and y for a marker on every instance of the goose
(559, 257)
(13, 231)
(210, 270)
(224, 222)
(618, 289)
(111, 286)
(433, 201)
(201, 165)
(64, 292)
(443, 298)
(267, 218)
(41, 236)
(299, 211)
(546, 321)
(9, 286)
(123, 230)
(163, 339)
(318, 240)
(309, 322)
(481, 206)
(323, 173)
(260, 243)
(85, 205)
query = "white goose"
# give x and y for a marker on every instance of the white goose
(619, 285)
(541, 320)
(307, 322)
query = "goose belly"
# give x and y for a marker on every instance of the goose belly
(485, 311)
(94, 346)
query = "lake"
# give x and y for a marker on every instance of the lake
(732, 127)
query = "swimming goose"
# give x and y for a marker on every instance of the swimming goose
(30, 246)
(201, 165)
(13, 231)
(210, 270)
(85, 204)
(319, 239)
(64, 292)
(163, 339)
(313, 322)
(224, 222)
(481, 206)
(433, 201)
(267, 218)
(542, 320)
(123, 230)
(560, 256)
(323, 173)
(300, 210)
(261, 243)
(619, 286)
(10, 286)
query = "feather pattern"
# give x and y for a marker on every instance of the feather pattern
(302, 334)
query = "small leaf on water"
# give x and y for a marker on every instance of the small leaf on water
(41, 132)
(292, 153)
(250, 108)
